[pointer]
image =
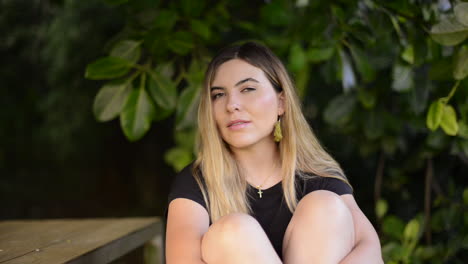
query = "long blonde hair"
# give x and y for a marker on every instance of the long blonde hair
(216, 171)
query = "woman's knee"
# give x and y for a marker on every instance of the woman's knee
(323, 203)
(227, 233)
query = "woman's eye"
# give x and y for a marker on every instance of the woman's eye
(216, 96)
(248, 89)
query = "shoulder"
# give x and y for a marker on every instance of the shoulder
(309, 183)
(185, 185)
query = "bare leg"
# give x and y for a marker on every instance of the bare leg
(237, 238)
(321, 230)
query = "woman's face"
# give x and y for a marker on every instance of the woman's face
(245, 104)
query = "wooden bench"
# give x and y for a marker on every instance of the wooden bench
(80, 240)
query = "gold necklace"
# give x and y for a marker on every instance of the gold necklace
(259, 187)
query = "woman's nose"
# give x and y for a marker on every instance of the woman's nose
(233, 104)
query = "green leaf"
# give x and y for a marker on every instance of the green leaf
(128, 50)
(110, 100)
(316, 55)
(162, 90)
(367, 98)
(196, 72)
(297, 57)
(178, 158)
(348, 79)
(186, 138)
(461, 64)
(201, 28)
(381, 208)
(107, 68)
(137, 115)
(403, 78)
(412, 230)
(181, 43)
(363, 65)
(393, 227)
(408, 54)
(449, 121)
(449, 32)
(166, 19)
(339, 110)
(461, 13)
(434, 115)
(186, 115)
(462, 129)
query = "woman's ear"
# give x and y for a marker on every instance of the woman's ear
(281, 103)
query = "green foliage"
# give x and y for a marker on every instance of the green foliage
(374, 75)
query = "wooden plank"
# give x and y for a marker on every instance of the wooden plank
(74, 241)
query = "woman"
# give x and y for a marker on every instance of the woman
(262, 189)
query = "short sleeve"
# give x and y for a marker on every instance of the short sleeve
(185, 186)
(335, 185)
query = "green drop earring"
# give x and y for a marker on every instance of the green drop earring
(278, 135)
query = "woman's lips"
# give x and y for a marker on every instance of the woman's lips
(238, 125)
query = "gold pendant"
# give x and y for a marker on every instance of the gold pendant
(260, 192)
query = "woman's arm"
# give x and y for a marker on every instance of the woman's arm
(187, 222)
(367, 248)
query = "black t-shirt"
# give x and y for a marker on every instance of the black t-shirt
(271, 211)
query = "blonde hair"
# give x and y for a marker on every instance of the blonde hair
(216, 171)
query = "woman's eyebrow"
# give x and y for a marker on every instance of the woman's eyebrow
(246, 80)
(237, 84)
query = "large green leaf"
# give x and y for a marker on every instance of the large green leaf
(178, 157)
(316, 55)
(449, 32)
(449, 121)
(348, 78)
(461, 13)
(196, 72)
(340, 109)
(166, 19)
(137, 114)
(163, 90)
(434, 115)
(461, 64)
(411, 231)
(110, 100)
(127, 49)
(201, 28)
(107, 68)
(181, 42)
(403, 78)
(186, 116)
